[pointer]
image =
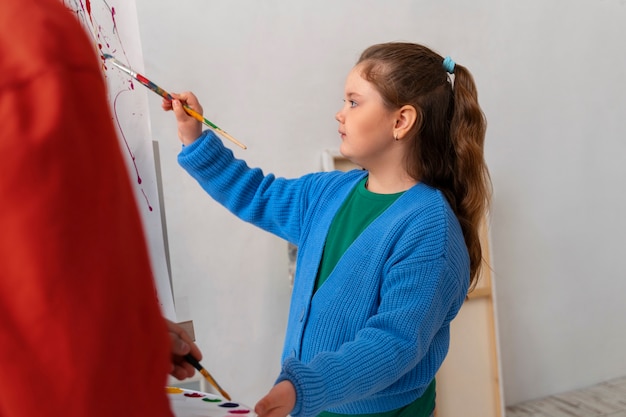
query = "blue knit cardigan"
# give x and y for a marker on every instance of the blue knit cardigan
(373, 336)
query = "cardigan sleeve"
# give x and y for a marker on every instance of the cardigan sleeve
(284, 207)
(271, 203)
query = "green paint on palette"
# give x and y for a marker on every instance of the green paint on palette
(212, 400)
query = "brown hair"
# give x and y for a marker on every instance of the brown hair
(446, 143)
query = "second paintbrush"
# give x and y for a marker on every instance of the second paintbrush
(196, 364)
(152, 86)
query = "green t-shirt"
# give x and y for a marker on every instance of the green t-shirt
(360, 209)
(422, 407)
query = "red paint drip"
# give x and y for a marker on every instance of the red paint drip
(113, 16)
(88, 6)
(147, 201)
(132, 156)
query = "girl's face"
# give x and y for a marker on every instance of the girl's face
(365, 124)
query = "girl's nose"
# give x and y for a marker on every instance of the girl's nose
(339, 117)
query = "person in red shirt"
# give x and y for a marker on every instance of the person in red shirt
(81, 331)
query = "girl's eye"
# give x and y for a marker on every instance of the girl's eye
(352, 103)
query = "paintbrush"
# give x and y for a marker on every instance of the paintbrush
(196, 364)
(152, 86)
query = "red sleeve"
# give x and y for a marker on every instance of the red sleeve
(81, 333)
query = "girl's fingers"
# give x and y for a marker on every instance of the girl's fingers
(166, 104)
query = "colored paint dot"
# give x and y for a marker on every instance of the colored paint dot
(173, 390)
(229, 405)
(240, 411)
(193, 394)
(212, 400)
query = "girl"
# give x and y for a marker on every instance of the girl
(387, 254)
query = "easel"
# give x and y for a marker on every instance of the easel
(197, 382)
(469, 381)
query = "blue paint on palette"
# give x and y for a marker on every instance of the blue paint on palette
(229, 405)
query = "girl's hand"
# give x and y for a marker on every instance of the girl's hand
(279, 402)
(189, 129)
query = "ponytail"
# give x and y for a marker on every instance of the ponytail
(446, 145)
(472, 186)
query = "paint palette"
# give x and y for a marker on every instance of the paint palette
(189, 403)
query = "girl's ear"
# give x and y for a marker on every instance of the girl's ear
(407, 118)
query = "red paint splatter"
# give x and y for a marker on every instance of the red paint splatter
(106, 39)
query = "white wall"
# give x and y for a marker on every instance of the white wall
(550, 76)
(556, 97)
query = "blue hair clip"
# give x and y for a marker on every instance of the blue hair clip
(448, 65)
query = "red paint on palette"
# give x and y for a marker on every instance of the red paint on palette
(240, 411)
(193, 394)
